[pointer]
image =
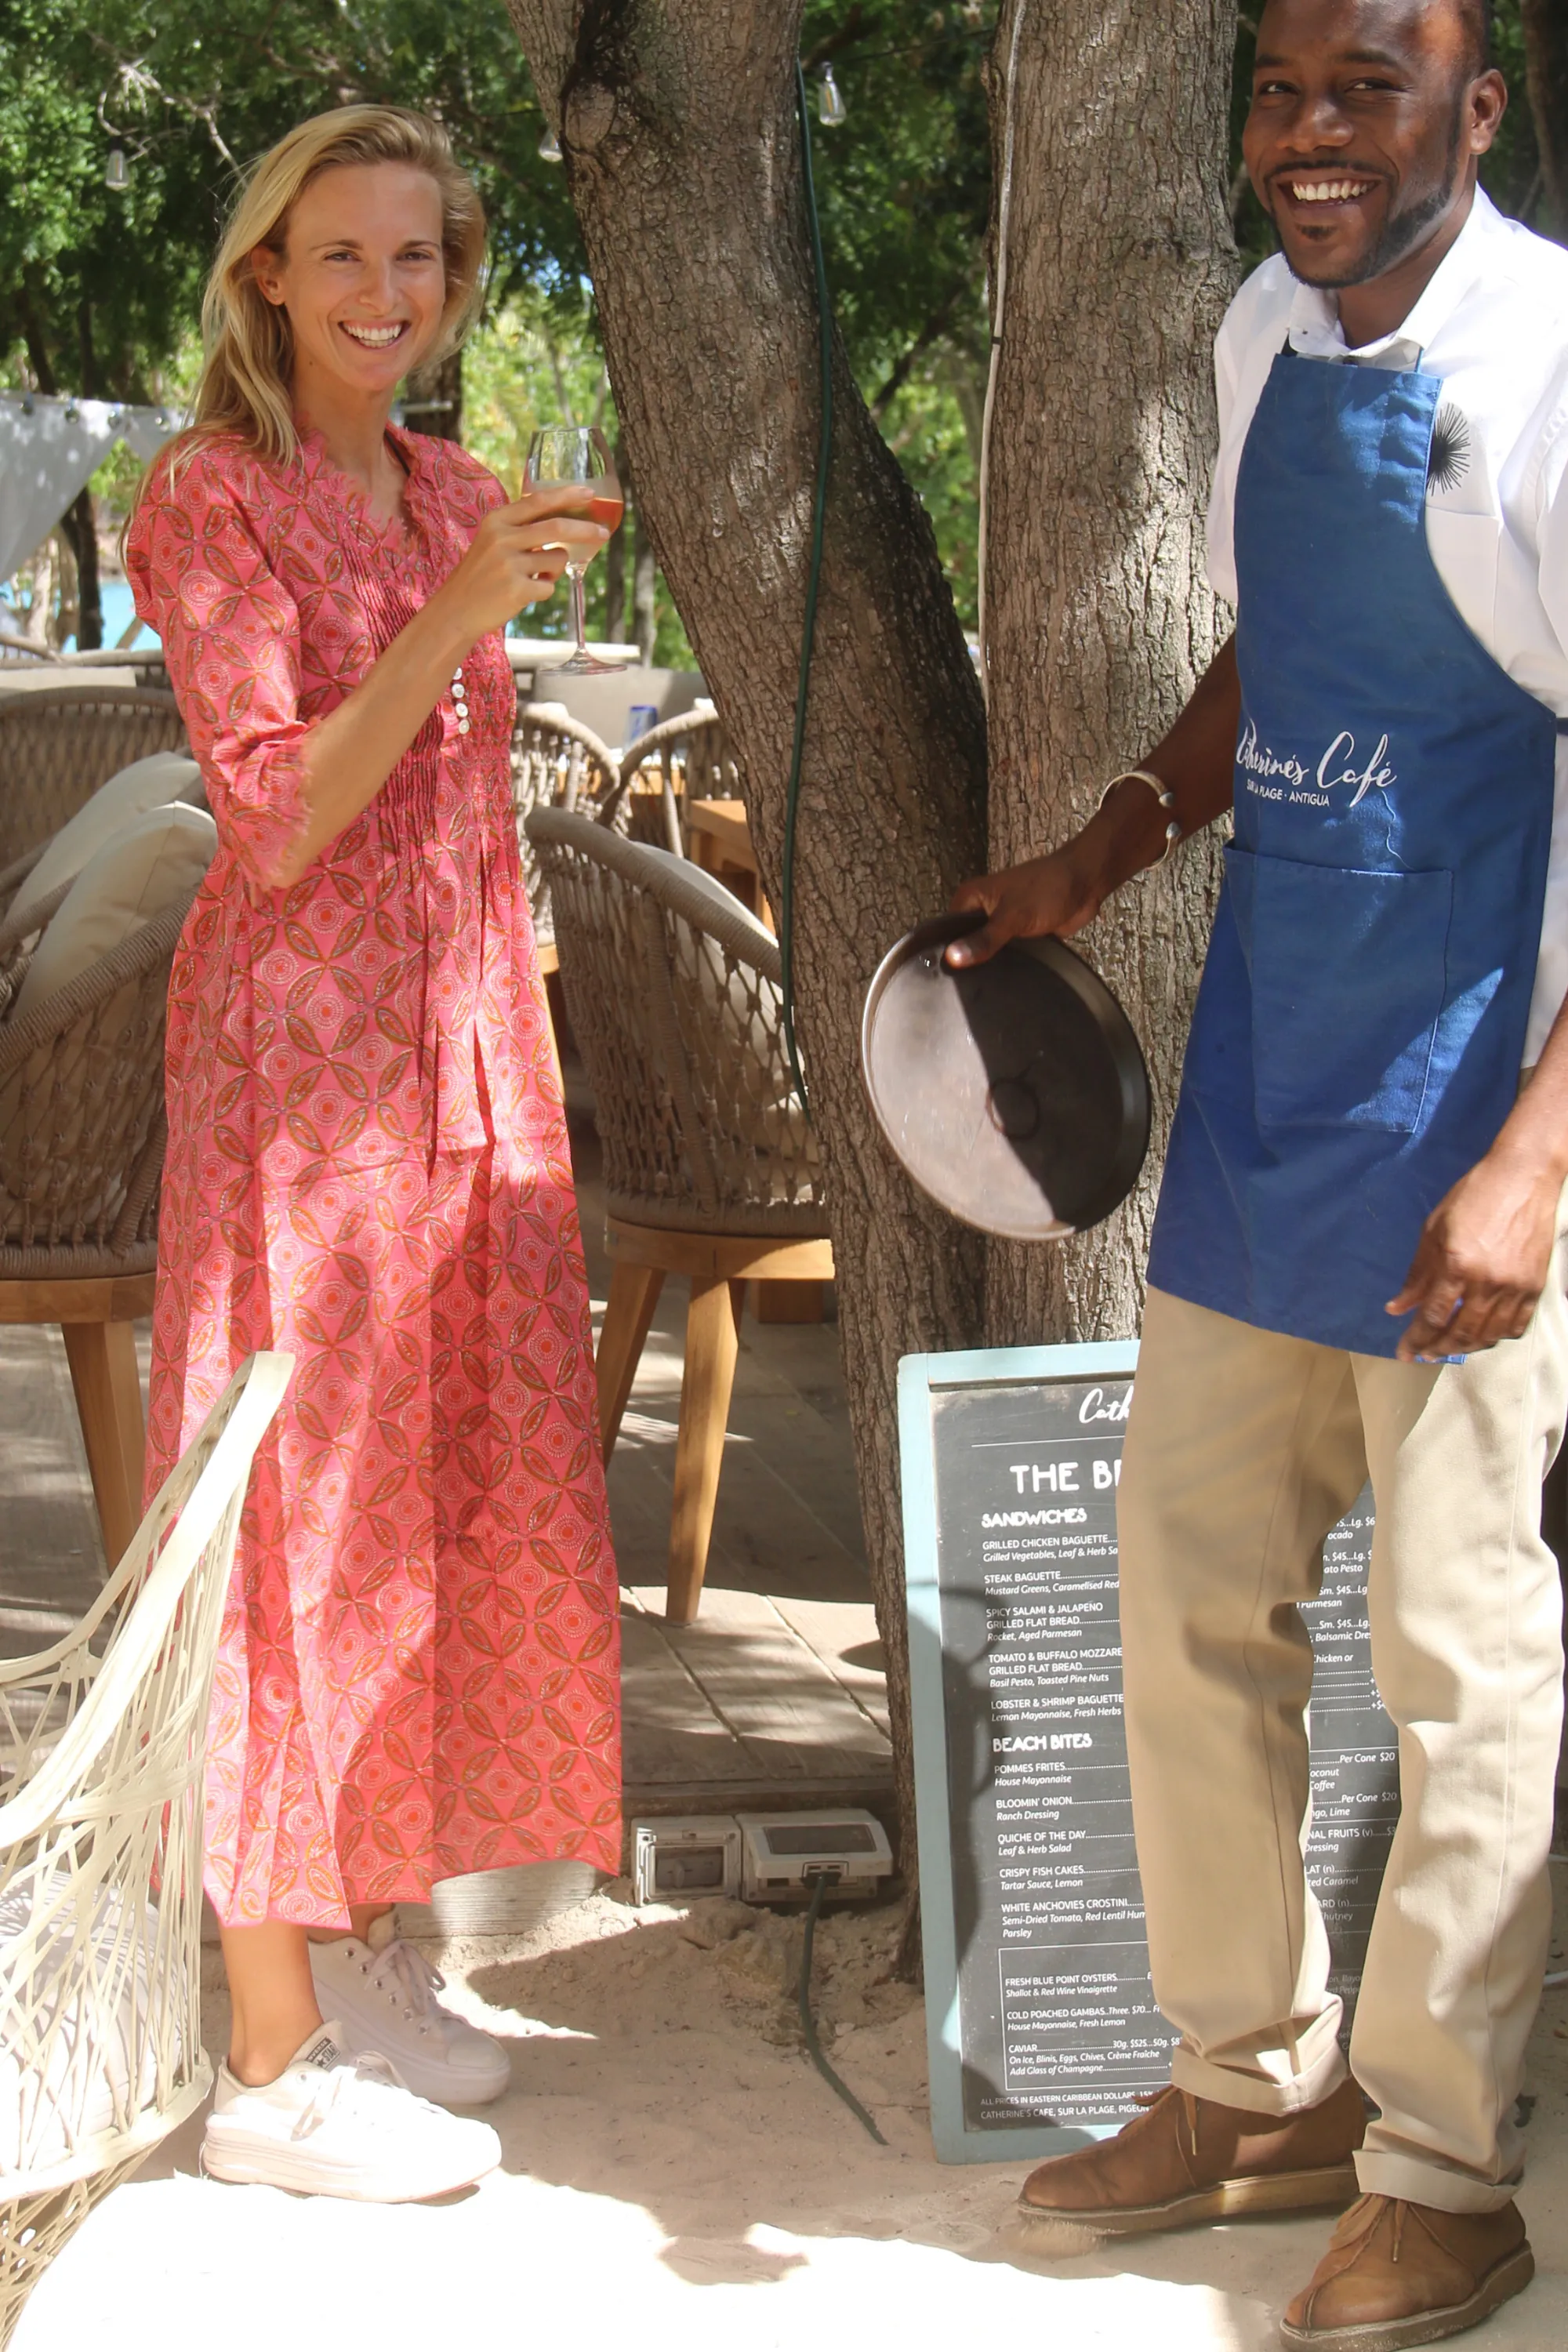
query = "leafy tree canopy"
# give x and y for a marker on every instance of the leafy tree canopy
(99, 290)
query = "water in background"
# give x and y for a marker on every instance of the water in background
(118, 612)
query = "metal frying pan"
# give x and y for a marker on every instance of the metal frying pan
(1014, 1092)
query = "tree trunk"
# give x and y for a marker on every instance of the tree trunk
(1098, 619)
(1546, 78)
(79, 524)
(435, 401)
(682, 150)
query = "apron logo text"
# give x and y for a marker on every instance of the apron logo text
(1270, 778)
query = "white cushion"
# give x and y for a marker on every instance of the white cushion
(149, 783)
(153, 865)
(149, 866)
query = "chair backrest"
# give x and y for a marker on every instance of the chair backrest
(604, 700)
(81, 1114)
(18, 650)
(673, 989)
(56, 747)
(681, 759)
(557, 763)
(101, 1744)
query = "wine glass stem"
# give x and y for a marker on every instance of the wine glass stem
(574, 578)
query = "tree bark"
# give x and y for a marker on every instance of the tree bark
(1098, 619)
(79, 524)
(678, 123)
(435, 401)
(1545, 25)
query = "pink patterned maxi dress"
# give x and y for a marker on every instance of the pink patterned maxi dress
(368, 1166)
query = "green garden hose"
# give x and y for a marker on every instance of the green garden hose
(813, 581)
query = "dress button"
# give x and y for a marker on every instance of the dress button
(462, 726)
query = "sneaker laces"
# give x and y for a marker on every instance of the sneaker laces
(405, 1976)
(345, 2085)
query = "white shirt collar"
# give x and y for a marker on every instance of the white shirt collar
(1314, 328)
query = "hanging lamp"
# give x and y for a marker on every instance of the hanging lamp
(830, 107)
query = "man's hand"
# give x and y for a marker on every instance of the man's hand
(1049, 896)
(1482, 1260)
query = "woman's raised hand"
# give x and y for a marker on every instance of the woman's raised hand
(510, 561)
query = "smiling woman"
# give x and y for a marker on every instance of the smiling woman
(368, 1166)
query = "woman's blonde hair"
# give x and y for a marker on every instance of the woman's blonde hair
(245, 381)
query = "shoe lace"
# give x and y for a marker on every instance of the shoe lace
(345, 2085)
(406, 1978)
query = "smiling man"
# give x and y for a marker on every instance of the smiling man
(1358, 1261)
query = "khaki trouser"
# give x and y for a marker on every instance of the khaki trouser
(1243, 1448)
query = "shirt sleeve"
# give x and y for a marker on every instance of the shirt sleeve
(1549, 519)
(231, 639)
(1222, 491)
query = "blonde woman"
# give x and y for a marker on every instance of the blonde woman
(367, 1165)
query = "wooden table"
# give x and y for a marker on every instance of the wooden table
(719, 841)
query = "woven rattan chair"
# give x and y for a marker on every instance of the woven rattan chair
(101, 1742)
(711, 1168)
(681, 759)
(81, 1150)
(57, 749)
(557, 763)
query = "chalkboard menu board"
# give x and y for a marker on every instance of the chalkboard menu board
(1042, 2022)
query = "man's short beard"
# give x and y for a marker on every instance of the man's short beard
(1404, 231)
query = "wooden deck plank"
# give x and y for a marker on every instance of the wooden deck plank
(772, 1689)
(843, 1633)
(671, 1732)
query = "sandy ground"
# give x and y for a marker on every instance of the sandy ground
(676, 2174)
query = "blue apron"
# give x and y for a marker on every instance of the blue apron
(1358, 1033)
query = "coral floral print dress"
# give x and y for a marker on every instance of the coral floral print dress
(368, 1166)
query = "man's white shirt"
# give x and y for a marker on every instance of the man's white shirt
(1493, 323)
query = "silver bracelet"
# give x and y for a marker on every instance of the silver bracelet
(1162, 794)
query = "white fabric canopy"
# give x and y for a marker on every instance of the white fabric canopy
(48, 447)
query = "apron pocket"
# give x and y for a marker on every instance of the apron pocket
(1348, 973)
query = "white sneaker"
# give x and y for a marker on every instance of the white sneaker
(335, 2126)
(382, 1994)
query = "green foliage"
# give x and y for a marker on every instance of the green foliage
(192, 90)
(100, 291)
(904, 189)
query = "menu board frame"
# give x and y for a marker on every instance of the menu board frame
(923, 1379)
(1354, 1756)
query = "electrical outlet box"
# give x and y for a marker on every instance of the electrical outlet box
(784, 1855)
(695, 1853)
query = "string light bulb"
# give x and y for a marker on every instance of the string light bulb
(549, 147)
(830, 106)
(118, 176)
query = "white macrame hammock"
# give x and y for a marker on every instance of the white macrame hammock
(101, 1742)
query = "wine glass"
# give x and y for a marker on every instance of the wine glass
(577, 456)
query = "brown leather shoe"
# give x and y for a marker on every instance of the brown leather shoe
(1188, 2159)
(1397, 2273)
